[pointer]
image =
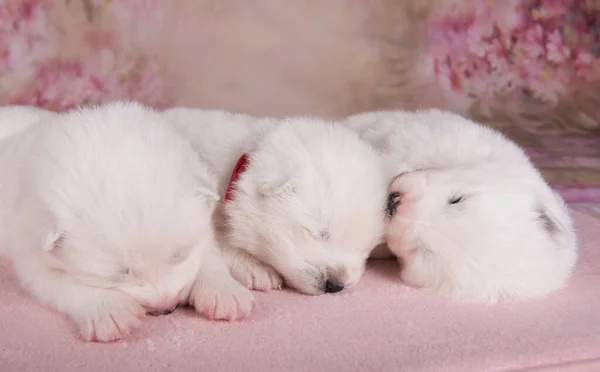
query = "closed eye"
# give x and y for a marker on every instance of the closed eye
(125, 274)
(180, 254)
(322, 235)
(456, 199)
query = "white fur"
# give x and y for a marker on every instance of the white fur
(310, 205)
(15, 119)
(106, 214)
(510, 236)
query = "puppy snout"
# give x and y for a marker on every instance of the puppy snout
(332, 286)
(393, 200)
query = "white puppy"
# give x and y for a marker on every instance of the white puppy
(307, 197)
(106, 214)
(470, 216)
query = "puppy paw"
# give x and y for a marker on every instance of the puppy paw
(111, 317)
(222, 300)
(256, 276)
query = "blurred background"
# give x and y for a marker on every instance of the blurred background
(529, 68)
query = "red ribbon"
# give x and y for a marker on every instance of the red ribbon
(240, 167)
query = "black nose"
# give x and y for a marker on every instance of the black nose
(393, 200)
(161, 312)
(333, 287)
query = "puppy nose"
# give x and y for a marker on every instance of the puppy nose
(393, 200)
(333, 286)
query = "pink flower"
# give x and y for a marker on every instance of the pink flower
(556, 50)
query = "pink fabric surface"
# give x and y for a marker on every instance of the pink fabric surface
(379, 326)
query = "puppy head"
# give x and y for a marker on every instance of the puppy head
(130, 203)
(310, 204)
(482, 231)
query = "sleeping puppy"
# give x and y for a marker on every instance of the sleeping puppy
(304, 196)
(469, 215)
(106, 214)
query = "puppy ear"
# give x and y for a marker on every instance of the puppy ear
(276, 185)
(272, 175)
(51, 239)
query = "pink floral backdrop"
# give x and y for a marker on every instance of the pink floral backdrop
(523, 52)
(529, 68)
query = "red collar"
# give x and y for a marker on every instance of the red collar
(240, 167)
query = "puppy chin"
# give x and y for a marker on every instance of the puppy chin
(403, 249)
(153, 300)
(308, 281)
(396, 234)
(305, 288)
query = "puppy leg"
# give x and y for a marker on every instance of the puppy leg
(101, 314)
(106, 315)
(216, 294)
(250, 272)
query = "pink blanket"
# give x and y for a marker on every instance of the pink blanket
(378, 326)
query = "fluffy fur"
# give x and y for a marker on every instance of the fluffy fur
(310, 204)
(470, 216)
(106, 214)
(16, 119)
